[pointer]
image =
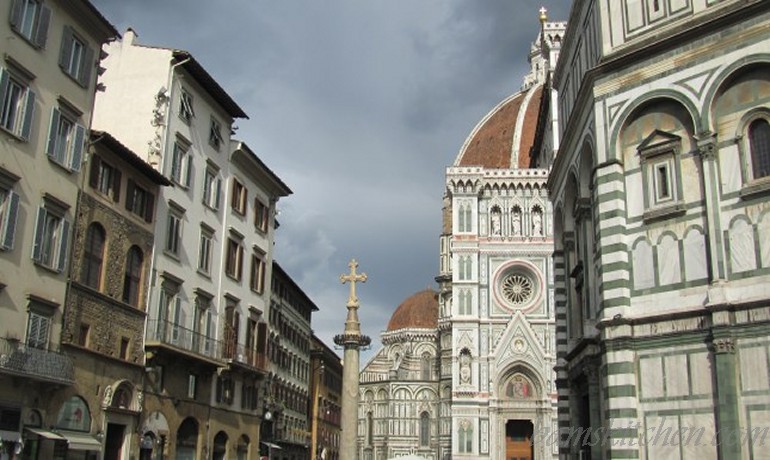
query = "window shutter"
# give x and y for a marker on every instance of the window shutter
(29, 113)
(4, 78)
(149, 207)
(64, 240)
(16, 10)
(39, 225)
(77, 147)
(130, 194)
(66, 48)
(116, 185)
(9, 223)
(240, 262)
(218, 193)
(86, 65)
(188, 169)
(41, 34)
(51, 149)
(93, 180)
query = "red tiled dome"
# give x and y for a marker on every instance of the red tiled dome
(491, 144)
(419, 311)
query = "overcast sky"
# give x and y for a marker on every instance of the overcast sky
(359, 106)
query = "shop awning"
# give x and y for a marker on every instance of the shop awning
(81, 441)
(10, 436)
(44, 433)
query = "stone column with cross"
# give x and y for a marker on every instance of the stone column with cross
(351, 341)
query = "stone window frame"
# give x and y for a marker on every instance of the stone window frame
(751, 186)
(661, 150)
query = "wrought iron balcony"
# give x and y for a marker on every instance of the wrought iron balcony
(242, 355)
(180, 338)
(18, 358)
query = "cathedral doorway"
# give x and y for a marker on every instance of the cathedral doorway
(518, 440)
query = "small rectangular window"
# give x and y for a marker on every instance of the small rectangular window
(261, 215)
(186, 106)
(662, 182)
(181, 163)
(212, 186)
(204, 251)
(257, 278)
(66, 139)
(215, 134)
(105, 178)
(139, 201)
(51, 238)
(234, 259)
(83, 335)
(30, 19)
(124, 347)
(38, 330)
(173, 233)
(238, 201)
(76, 58)
(18, 105)
(192, 386)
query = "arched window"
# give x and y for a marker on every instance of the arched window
(133, 276)
(424, 429)
(425, 367)
(93, 256)
(759, 143)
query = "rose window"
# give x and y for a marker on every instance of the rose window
(517, 288)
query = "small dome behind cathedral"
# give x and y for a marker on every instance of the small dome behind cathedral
(419, 311)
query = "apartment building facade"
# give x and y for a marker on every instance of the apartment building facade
(215, 226)
(326, 402)
(47, 85)
(286, 422)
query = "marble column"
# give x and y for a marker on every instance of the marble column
(351, 341)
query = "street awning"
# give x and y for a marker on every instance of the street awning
(10, 436)
(44, 433)
(271, 445)
(81, 441)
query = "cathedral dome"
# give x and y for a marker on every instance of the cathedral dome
(419, 311)
(503, 139)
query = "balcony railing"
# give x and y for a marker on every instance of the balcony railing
(240, 354)
(18, 358)
(172, 334)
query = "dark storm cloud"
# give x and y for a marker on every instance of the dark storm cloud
(359, 106)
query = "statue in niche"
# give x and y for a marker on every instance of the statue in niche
(537, 222)
(516, 221)
(465, 368)
(496, 223)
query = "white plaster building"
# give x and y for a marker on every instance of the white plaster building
(662, 228)
(467, 372)
(209, 291)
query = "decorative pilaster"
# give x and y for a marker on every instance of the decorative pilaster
(707, 148)
(727, 417)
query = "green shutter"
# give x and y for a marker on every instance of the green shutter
(66, 49)
(39, 228)
(29, 113)
(8, 225)
(63, 244)
(51, 148)
(77, 147)
(43, 21)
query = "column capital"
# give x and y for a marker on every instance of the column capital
(723, 345)
(707, 144)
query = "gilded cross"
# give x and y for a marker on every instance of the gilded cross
(353, 277)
